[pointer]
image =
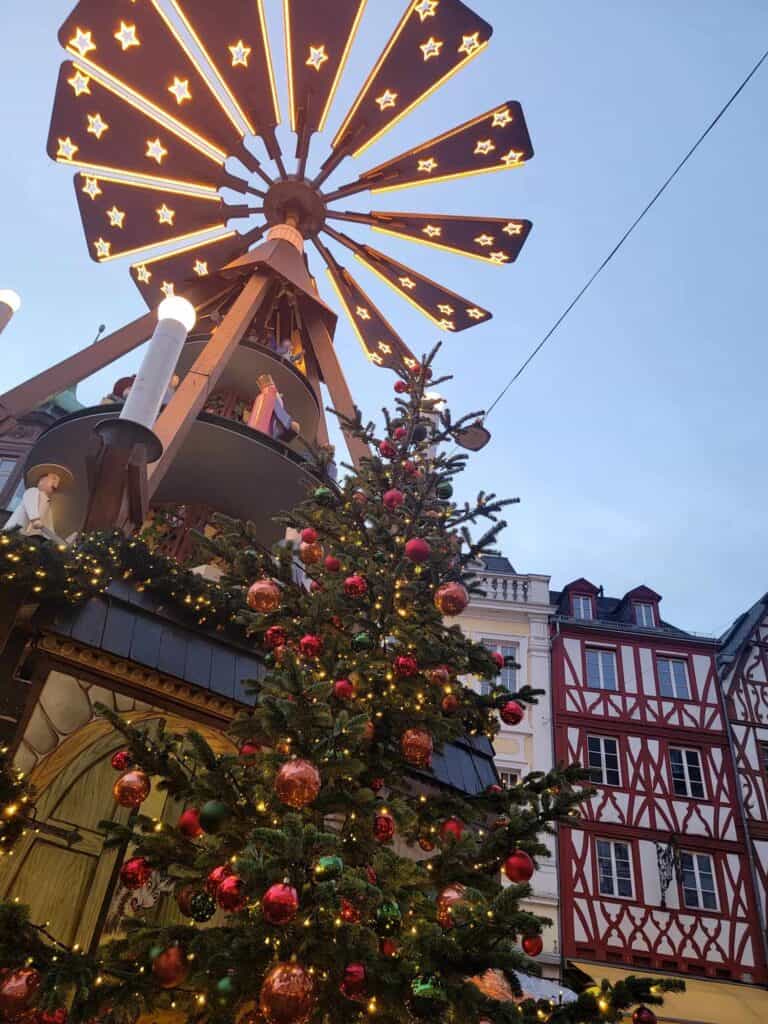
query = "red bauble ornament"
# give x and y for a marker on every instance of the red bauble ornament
(498, 658)
(332, 563)
(370, 874)
(446, 901)
(275, 636)
(311, 646)
(451, 598)
(426, 844)
(405, 666)
(310, 554)
(417, 550)
(135, 873)
(122, 760)
(355, 586)
(450, 703)
(249, 751)
(495, 789)
(309, 535)
(17, 989)
(343, 689)
(264, 597)
(216, 877)
(360, 498)
(532, 945)
(440, 675)
(389, 948)
(452, 828)
(170, 968)
(315, 586)
(388, 450)
(132, 789)
(518, 867)
(231, 894)
(189, 823)
(512, 713)
(401, 387)
(349, 913)
(298, 784)
(643, 1015)
(393, 499)
(369, 732)
(280, 904)
(417, 747)
(377, 785)
(287, 995)
(383, 828)
(59, 1016)
(411, 469)
(355, 983)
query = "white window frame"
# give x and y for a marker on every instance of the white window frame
(696, 869)
(601, 652)
(500, 644)
(505, 763)
(603, 766)
(688, 794)
(674, 659)
(579, 604)
(612, 844)
(645, 614)
(508, 783)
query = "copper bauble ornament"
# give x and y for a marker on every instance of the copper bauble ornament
(332, 564)
(288, 995)
(280, 904)
(518, 867)
(405, 666)
(231, 895)
(451, 598)
(418, 550)
(310, 554)
(417, 747)
(309, 535)
(512, 713)
(452, 829)
(184, 897)
(264, 597)
(189, 823)
(389, 948)
(122, 760)
(355, 983)
(369, 732)
(383, 828)
(355, 586)
(446, 901)
(426, 844)
(643, 1015)
(58, 1016)
(393, 500)
(132, 789)
(275, 636)
(440, 675)
(298, 784)
(216, 877)
(532, 945)
(349, 913)
(17, 989)
(135, 873)
(450, 704)
(311, 646)
(170, 968)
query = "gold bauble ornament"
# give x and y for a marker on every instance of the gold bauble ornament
(132, 789)
(264, 597)
(417, 747)
(288, 995)
(311, 554)
(298, 784)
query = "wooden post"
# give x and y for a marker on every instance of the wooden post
(176, 420)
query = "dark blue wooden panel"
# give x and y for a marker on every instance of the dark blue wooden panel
(118, 630)
(88, 627)
(247, 670)
(223, 664)
(197, 668)
(145, 642)
(172, 655)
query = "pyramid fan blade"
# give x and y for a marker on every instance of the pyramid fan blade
(233, 36)
(490, 239)
(174, 272)
(381, 344)
(93, 127)
(134, 43)
(317, 48)
(122, 217)
(434, 39)
(496, 141)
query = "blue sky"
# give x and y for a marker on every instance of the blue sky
(637, 440)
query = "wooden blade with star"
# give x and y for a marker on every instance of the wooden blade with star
(123, 217)
(446, 309)
(496, 240)
(232, 34)
(317, 48)
(92, 127)
(495, 141)
(378, 339)
(434, 40)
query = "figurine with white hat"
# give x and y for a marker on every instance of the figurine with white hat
(34, 516)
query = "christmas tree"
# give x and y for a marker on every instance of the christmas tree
(321, 875)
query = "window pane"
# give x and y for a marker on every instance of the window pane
(593, 668)
(695, 775)
(608, 661)
(679, 782)
(681, 680)
(665, 678)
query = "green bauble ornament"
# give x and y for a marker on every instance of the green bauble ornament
(445, 490)
(428, 997)
(389, 918)
(328, 869)
(155, 952)
(225, 987)
(362, 642)
(213, 816)
(324, 495)
(381, 556)
(202, 907)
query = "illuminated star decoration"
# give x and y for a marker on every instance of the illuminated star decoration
(97, 125)
(446, 325)
(484, 147)
(512, 158)
(240, 54)
(126, 36)
(513, 229)
(499, 258)
(165, 215)
(116, 217)
(502, 118)
(475, 313)
(91, 188)
(485, 240)
(82, 42)
(143, 274)
(445, 309)
(427, 166)
(103, 249)
(426, 9)
(406, 282)
(363, 313)
(317, 57)
(433, 231)
(385, 348)
(156, 150)
(180, 89)
(167, 289)
(80, 83)
(376, 358)
(470, 44)
(67, 149)
(387, 100)
(431, 48)
(201, 268)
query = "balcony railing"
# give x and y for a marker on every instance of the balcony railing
(505, 588)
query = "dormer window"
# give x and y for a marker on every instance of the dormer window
(581, 606)
(645, 614)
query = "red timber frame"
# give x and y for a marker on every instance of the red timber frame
(651, 931)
